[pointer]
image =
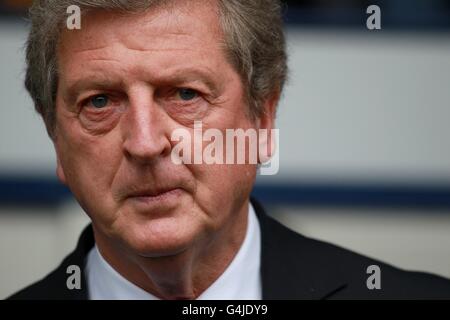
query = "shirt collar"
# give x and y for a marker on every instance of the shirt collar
(240, 280)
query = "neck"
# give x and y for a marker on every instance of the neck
(184, 275)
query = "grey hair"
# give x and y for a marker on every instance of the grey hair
(253, 37)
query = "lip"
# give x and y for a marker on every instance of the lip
(158, 196)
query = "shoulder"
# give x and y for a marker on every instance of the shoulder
(356, 270)
(299, 267)
(55, 286)
(47, 288)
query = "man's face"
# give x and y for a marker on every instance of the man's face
(126, 83)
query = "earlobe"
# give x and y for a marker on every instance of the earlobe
(266, 143)
(59, 168)
(267, 118)
(60, 171)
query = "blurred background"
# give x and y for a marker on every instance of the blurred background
(364, 140)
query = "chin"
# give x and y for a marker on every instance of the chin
(163, 237)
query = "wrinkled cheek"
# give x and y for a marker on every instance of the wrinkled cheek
(220, 188)
(89, 173)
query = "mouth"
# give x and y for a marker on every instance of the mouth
(147, 196)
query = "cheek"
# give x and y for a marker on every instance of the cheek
(221, 189)
(90, 165)
(228, 177)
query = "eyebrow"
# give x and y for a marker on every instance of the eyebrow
(101, 81)
(96, 81)
(192, 74)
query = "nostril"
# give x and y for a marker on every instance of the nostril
(146, 146)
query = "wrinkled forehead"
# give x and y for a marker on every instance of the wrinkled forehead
(146, 29)
(160, 40)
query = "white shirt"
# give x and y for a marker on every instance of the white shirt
(240, 281)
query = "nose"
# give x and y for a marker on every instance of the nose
(145, 129)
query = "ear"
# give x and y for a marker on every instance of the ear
(60, 171)
(59, 168)
(266, 142)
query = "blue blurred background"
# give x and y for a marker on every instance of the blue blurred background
(364, 140)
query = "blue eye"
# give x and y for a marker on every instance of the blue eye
(99, 101)
(187, 94)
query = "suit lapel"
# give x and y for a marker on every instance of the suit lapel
(77, 258)
(291, 268)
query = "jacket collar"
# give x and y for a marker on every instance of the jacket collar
(292, 266)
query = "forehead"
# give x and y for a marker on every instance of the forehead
(181, 28)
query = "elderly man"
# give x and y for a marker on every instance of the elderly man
(111, 94)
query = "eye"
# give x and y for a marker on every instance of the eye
(99, 101)
(187, 94)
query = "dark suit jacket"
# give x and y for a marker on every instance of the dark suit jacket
(292, 266)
